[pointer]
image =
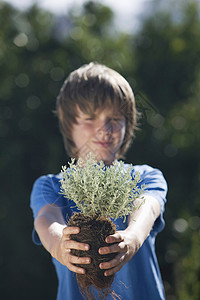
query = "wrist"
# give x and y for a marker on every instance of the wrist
(142, 220)
(56, 233)
(135, 235)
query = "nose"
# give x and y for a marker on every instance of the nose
(105, 127)
(104, 131)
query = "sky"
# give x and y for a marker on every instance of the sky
(126, 11)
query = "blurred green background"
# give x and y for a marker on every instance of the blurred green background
(162, 63)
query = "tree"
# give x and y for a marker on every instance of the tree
(167, 72)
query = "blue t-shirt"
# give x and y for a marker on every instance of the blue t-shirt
(140, 278)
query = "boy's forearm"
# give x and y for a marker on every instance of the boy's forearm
(49, 225)
(141, 221)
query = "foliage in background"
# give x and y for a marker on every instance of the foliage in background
(161, 61)
(167, 48)
(187, 269)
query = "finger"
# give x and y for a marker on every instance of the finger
(76, 269)
(113, 270)
(118, 247)
(113, 265)
(79, 260)
(71, 230)
(71, 244)
(114, 238)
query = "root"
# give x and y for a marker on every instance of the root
(93, 231)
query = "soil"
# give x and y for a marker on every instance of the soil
(93, 231)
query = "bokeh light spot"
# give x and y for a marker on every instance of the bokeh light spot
(46, 66)
(57, 74)
(178, 122)
(33, 102)
(178, 45)
(89, 19)
(22, 80)
(171, 256)
(180, 225)
(156, 120)
(21, 40)
(76, 33)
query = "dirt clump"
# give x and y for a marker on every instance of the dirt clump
(93, 231)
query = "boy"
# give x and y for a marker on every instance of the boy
(96, 112)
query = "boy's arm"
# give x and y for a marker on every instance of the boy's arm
(142, 220)
(55, 237)
(129, 241)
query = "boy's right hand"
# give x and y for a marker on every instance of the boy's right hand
(63, 251)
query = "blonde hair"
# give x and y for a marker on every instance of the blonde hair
(95, 86)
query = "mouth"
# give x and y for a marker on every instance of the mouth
(102, 144)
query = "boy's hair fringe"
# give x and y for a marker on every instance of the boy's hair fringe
(95, 86)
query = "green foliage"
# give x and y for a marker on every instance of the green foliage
(96, 188)
(167, 48)
(182, 125)
(188, 269)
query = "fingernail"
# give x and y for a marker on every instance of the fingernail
(86, 247)
(102, 251)
(101, 266)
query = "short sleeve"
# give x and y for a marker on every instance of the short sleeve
(156, 186)
(45, 191)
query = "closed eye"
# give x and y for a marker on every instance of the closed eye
(116, 119)
(89, 119)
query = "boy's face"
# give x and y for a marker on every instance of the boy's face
(101, 133)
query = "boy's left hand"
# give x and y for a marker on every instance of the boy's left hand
(126, 246)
